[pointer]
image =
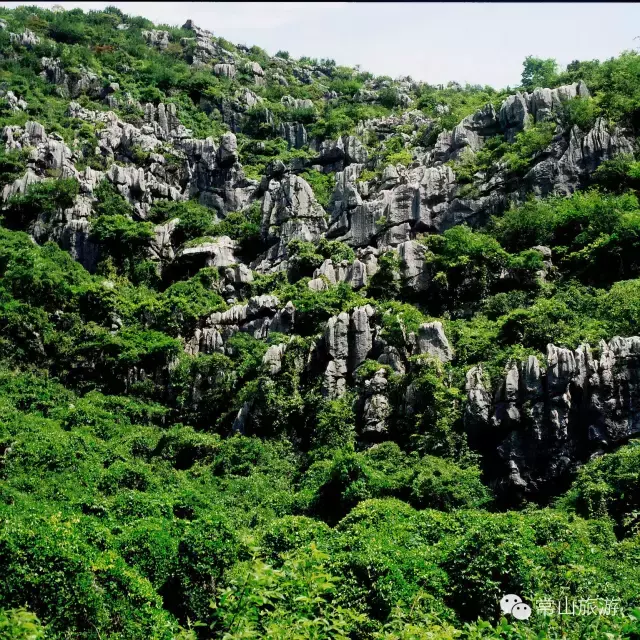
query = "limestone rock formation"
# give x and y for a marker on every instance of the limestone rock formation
(159, 39)
(431, 340)
(547, 421)
(376, 406)
(273, 358)
(26, 39)
(290, 211)
(347, 342)
(219, 252)
(260, 316)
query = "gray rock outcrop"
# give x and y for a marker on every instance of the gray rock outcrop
(290, 211)
(547, 421)
(26, 39)
(259, 317)
(159, 39)
(376, 405)
(347, 342)
(272, 359)
(431, 340)
(70, 84)
(219, 252)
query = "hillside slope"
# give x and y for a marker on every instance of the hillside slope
(293, 351)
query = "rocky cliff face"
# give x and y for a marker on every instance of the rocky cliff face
(545, 421)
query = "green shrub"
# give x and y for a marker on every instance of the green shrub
(581, 112)
(321, 183)
(40, 199)
(208, 548)
(20, 624)
(618, 174)
(607, 487)
(527, 144)
(295, 600)
(125, 241)
(13, 165)
(443, 485)
(195, 220)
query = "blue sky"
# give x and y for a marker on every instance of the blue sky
(480, 43)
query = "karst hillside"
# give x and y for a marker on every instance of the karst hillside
(292, 351)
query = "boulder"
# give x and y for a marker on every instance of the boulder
(158, 39)
(432, 340)
(217, 253)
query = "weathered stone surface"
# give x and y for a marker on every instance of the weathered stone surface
(71, 230)
(296, 103)
(392, 357)
(159, 39)
(355, 274)
(217, 253)
(294, 133)
(335, 155)
(25, 39)
(203, 47)
(272, 359)
(164, 123)
(469, 134)
(228, 150)
(376, 407)
(386, 212)
(241, 418)
(259, 317)
(70, 84)
(360, 336)
(239, 274)
(347, 342)
(432, 340)
(412, 256)
(15, 103)
(549, 421)
(290, 211)
(225, 70)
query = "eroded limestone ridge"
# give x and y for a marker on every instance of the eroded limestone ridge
(546, 420)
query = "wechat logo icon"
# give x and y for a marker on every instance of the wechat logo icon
(512, 604)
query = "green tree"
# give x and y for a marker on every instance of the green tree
(539, 72)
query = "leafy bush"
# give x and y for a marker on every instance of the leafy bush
(585, 231)
(244, 227)
(19, 624)
(618, 174)
(195, 220)
(12, 165)
(607, 487)
(527, 144)
(123, 240)
(581, 112)
(40, 199)
(305, 257)
(321, 183)
(205, 552)
(292, 601)
(443, 485)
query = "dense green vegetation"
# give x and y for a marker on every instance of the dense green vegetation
(129, 508)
